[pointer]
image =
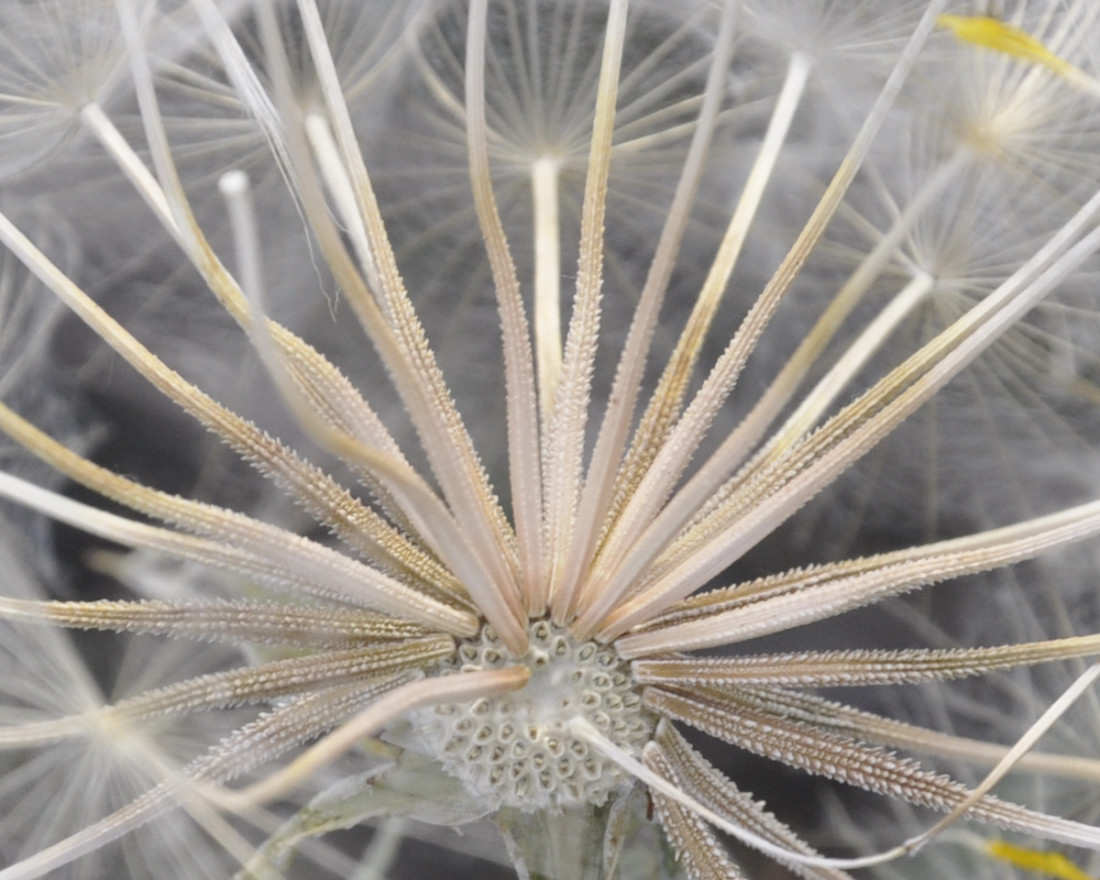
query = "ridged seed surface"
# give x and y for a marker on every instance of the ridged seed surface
(517, 750)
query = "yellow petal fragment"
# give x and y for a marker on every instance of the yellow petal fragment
(1052, 864)
(1001, 37)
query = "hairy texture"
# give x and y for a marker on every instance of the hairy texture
(687, 349)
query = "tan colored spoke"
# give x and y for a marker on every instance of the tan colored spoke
(859, 668)
(824, 753)
(696, 846)
(819, 593)
(319, 493)
(315, 570)
(239, 621)
(562, 469)
(711, 788)
(545, 186)
(393, 553)
(238, 687)
(412, 364)
(483, 555)
(667, 399)
(608, 581)
(775, 491)
(524, 450)
(876, 729)
(741, 442)
(331, 395)
(611, 439)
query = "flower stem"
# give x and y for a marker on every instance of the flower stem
(565, 846)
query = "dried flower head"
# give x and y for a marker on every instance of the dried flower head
(538, 659)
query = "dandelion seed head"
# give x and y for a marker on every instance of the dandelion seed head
(517, 750)
(508, 573)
